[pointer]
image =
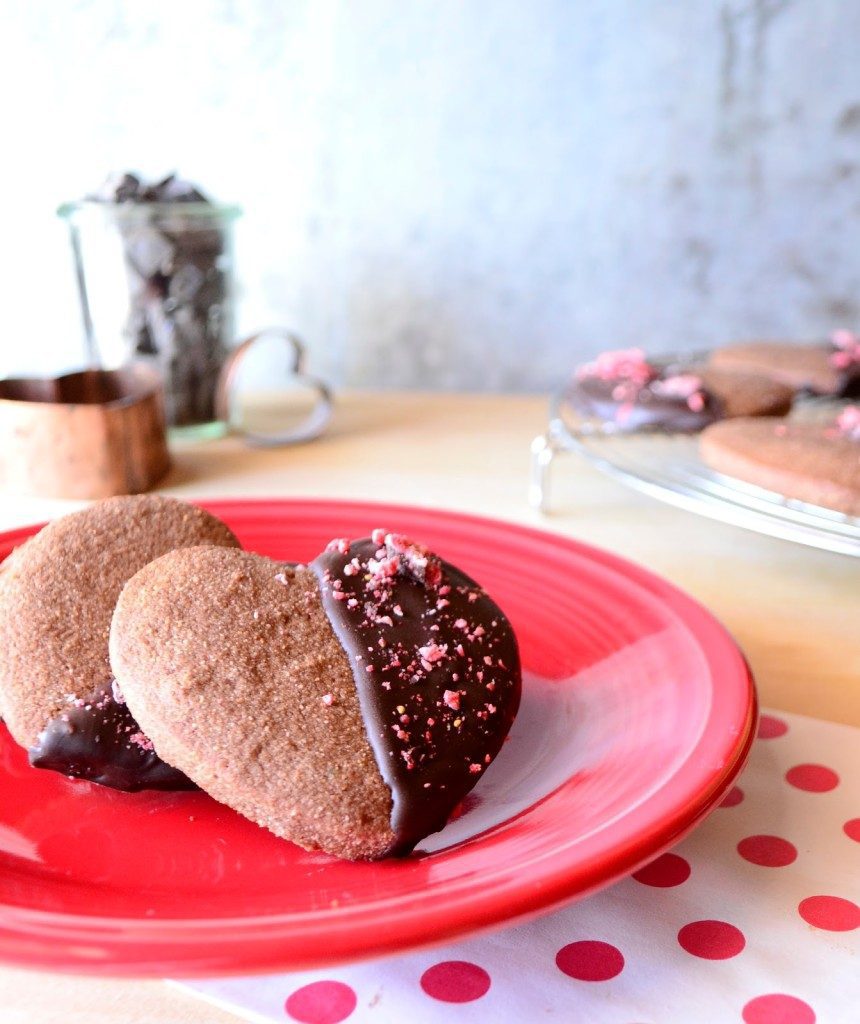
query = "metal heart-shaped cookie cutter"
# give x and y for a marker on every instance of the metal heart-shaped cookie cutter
(227, 391)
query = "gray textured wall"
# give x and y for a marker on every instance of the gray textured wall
(459, 193)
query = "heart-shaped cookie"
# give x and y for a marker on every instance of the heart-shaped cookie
(57, 596)
(823, 368)
(347, 706)
(814, 462)
(626, 392)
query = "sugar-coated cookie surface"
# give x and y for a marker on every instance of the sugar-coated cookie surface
(229, 663)
(57, 595)
(352, 723)
(828, 368)
(812, 462)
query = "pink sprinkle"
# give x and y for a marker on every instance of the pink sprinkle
(473, 596)
(620, 364)
(352, 603)
(444, 591)
(349, 570)
(442, 603)
(678, 385)
(369, 669)
(460, 650)
(378, 536)
(479, 631)
(488, 660)
(461, 624)
(328, 699)
(474, 768)
(491, 708)
(847, 344)
(624, 412)
(433, 652)
(398, 611)
(848, 422)
(696, 401)
(339, 544)
(414, 558)
(339, 595)
(431, 721)
(452, 699)
(141, 741)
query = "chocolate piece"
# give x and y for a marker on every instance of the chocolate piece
(179, 291)
(57, 596)
(99, 740)
(436, 667)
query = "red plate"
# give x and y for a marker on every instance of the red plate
(638, 711)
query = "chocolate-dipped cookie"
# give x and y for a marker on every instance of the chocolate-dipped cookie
(626, 392)
(348, 706)
(57, 596)
(828, 368)
(814, 462)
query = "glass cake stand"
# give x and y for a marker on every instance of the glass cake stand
(667, 466)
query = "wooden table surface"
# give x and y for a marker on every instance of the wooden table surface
(795, 611)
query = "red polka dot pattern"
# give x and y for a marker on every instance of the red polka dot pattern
(831, 913)
(770, 727)
(852, 829)
(799, 931)
(813, 778)
(776, 1008)
(322, 1002)
(664, 872)
(590, 961)
(712, 940)
(734, 796)
(455, 981)
(767, 851)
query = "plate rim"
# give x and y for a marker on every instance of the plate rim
(244, 944)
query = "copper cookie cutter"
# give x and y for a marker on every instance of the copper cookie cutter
(90, 434)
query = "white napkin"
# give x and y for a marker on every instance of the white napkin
(753, 919)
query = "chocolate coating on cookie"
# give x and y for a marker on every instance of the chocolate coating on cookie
(436, 667)
(56, 601)
(99, 740)
(640, 407)
(623, 390)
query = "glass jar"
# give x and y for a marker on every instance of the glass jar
(156, 284)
